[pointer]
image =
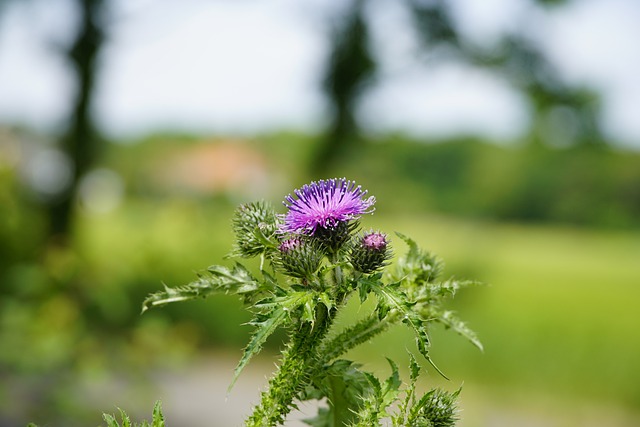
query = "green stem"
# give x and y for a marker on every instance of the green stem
(352, 336)
(298, 362)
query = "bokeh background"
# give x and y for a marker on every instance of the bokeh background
(503, 135)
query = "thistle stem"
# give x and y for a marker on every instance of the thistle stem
(298, 362)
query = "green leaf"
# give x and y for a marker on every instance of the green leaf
(364, 284)
(402, 417)
(344, 385)
(352, 336)
(126, 421)
(375, 405)
(158, 417)
(325, 299)
(255, 226)
(417, 267)
(391, 385)
(110, 420)
(414, 368)
(436, 408)
(266, 325)
(324, 418)
(450, 320)
(435, 293)
(392, 296)
(217, 279)
(278, 310)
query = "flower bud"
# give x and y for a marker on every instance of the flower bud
(334, 238)
(299, 257)
(254, 225)
(440, 409)
(370, 252)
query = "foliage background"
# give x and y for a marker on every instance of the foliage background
(554, 229)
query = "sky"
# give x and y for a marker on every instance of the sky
(225, 66)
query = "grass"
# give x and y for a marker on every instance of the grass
(559, 315)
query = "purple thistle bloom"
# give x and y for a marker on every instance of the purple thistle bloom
(290, 245)
(325, 204)
(375, 241)
(371, 252)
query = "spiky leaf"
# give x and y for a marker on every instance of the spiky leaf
(254, 225)
(300, 305)
(215, 280)
(416, 266)
(450, 320)
(375, 406)
(396, 299)
(157, 420)
(265, 326)
(344, 385)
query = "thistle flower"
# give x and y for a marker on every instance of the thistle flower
(324, 205)
(439, 410)
(299, 257)
(254, 225)
(370, 252)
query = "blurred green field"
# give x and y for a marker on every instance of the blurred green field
(559, 314)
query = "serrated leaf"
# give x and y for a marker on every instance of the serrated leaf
(414, 368)
(324, 418)
(396, 300)
(325, 299)
(450, 320)
(278, 310)
(237, 280)
(413, 246)
(402, 416)
(308, 311)
(375, 383)
(352, 336)
(365, 283)
(391, 386)
(344, 385)
(158, 417)
(215, 280)
(436, 292)
(375, 405)
(126, 421)
(266, 326)
(110, 420)
(416, 267)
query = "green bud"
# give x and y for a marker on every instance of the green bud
(370, 252)
(254, 225)
(440, 409)
(299, 257)
(334, 238)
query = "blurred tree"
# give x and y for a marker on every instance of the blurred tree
(524, 65)
(80, 142)
(526, 68)
(518, 60)
(349, 69)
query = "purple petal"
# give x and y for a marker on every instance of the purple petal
(325, 203)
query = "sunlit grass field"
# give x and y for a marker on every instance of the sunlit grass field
(558, 317)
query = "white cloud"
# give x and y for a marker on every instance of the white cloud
(35, 82)
(223, 66)
(233, 66)
(450, 99)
